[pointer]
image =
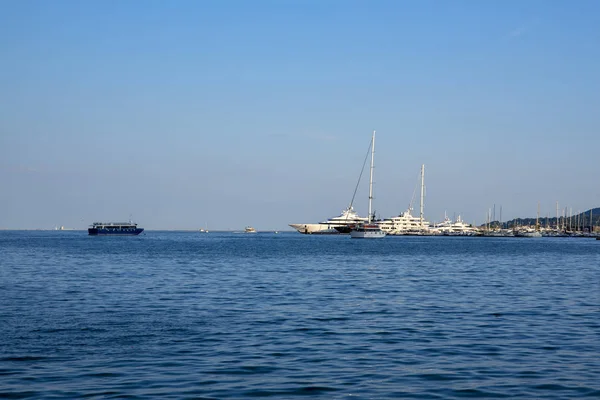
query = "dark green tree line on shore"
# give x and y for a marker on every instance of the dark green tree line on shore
(577, 222)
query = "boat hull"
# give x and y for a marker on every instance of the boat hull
(316, 229)
(114, 232)
(528, 234)
(344, 229)
(371, 231)
(367, 235)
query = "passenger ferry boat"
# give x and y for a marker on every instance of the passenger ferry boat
(114, 228)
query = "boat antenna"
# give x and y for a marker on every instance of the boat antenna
(360, 175)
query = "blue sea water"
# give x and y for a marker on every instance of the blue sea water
(222, 315)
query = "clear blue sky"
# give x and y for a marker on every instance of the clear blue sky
(234, 113)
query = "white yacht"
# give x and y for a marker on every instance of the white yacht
(403, 224)
(369, 230)
(406, 223)
(347, 218)
(456, 228)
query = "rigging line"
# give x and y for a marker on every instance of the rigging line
(361, 172)
(412, 200)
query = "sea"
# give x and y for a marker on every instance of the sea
(190, 315)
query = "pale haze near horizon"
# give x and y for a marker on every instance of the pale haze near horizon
(189, 114)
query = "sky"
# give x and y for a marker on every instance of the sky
(223, 114)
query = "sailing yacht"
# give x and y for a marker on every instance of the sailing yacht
(368, 230)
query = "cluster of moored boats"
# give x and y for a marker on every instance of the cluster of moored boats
(370, 227)
(403, 224)
(407, 224)
(349, 222)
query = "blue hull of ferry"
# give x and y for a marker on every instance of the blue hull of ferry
(115, 232)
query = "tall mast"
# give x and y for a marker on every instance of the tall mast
(371, 175)
(557, 227)
(422, 195)
(537, 219)
(591, 222)
(571, 219)
(501, 227)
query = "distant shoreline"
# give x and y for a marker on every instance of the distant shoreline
(145, 230)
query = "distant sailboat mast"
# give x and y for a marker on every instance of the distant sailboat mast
(422, 195)
(371, 176)
(501, 227)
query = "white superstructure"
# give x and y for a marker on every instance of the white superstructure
(403, 224)
(452, 228)
(346, 218)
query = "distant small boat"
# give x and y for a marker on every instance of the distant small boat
(527, 232)
(366, 231)
(249, 229)
(114, 228)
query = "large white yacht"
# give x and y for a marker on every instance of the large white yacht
(454, 228)
(406, 223)
(347, 218)
(403, 224)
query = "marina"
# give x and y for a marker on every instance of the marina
(405, 224)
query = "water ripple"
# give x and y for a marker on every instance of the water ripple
(180, 315)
